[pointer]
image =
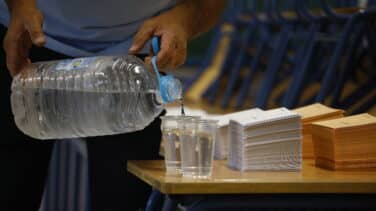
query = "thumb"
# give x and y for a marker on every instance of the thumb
(34, 27)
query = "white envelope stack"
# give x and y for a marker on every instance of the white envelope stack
(221, 144)
(265, 140)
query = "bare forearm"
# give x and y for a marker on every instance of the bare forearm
(197, 16)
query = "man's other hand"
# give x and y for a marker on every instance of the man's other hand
(25, 29)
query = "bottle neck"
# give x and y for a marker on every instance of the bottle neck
(170, 88)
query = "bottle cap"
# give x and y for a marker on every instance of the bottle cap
(170, 88)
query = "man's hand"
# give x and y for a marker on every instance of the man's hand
(174, 38)
(175, 27)
(25, 29)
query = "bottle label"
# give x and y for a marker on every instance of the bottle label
(74, 64)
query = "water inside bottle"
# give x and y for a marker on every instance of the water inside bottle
(53, 113)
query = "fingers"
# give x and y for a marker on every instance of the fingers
(173, 51)
(142, 36)
(173, 46)
(34, 26)
(16, 45)
(147, 61)
(25, 29)
(172, 54)
(16, 56)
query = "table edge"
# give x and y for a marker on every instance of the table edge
(256, 188)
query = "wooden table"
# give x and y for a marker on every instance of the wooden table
(226, 182)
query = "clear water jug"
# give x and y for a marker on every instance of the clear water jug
(91, 96)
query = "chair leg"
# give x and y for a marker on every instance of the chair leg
(169, 204)
(154, 202)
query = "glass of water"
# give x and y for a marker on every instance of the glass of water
(171, 144)
(197, 138)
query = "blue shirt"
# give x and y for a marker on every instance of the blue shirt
(93, 27)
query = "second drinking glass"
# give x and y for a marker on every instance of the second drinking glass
(197, 137)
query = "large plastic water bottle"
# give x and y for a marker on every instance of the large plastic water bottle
(91, 96)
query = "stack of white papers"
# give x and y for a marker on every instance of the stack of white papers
(265, 140)
(221, 143)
